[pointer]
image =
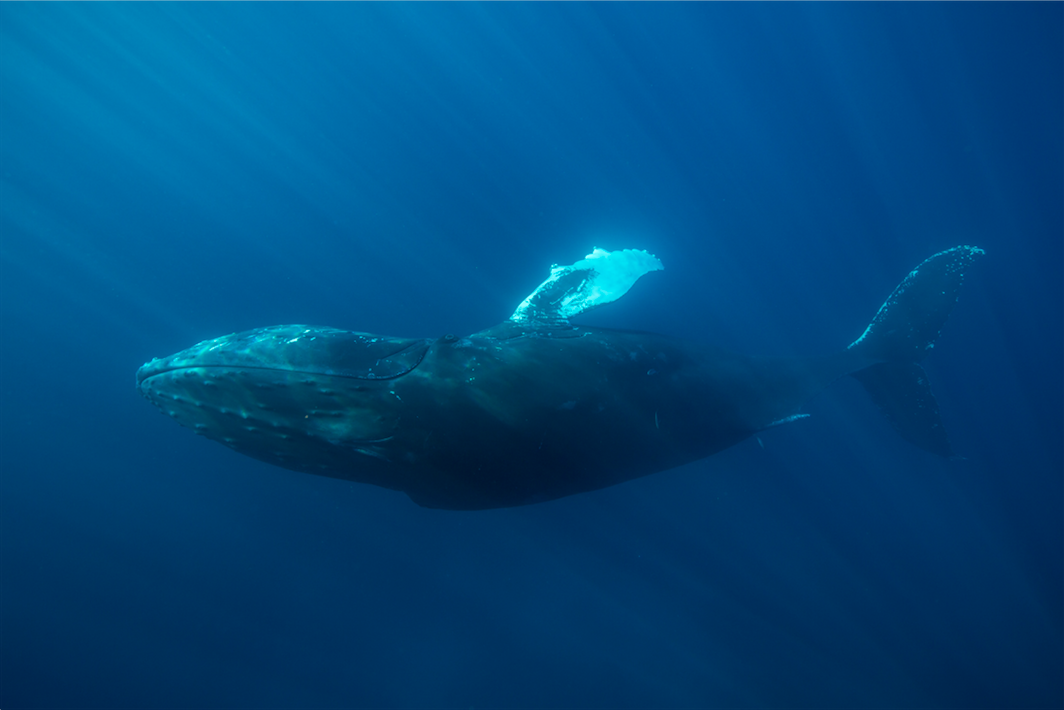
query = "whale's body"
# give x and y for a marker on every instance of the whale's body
(534, 408)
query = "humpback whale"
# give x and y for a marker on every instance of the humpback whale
(536, 408)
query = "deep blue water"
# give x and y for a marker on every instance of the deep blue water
(176, 172)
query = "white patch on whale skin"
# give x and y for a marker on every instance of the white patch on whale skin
(788, 420)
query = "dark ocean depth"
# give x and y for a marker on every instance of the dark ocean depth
(175, 172)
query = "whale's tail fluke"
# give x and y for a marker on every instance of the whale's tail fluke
(900, 336)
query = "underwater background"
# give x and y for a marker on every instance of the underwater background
(175, 172)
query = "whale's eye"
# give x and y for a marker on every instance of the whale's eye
(450, 338)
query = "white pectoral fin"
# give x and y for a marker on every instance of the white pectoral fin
(602, 277)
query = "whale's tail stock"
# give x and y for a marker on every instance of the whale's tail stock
(901, 335)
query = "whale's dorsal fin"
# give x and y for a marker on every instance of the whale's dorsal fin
(602, 277)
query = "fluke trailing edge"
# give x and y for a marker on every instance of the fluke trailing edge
(535, 408)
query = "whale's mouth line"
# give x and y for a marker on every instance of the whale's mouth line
(143, 377)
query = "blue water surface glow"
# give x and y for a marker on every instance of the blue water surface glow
(175, 172)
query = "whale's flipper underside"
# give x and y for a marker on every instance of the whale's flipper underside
(602, 277)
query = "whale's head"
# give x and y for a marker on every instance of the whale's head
(313, 399)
